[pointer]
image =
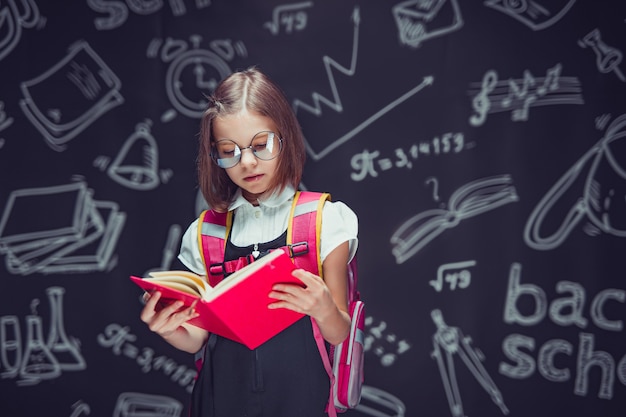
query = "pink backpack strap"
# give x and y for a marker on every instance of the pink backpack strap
(306, 224)
(213, 229)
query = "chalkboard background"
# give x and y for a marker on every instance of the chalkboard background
(480, 143)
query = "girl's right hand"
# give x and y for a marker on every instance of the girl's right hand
(165, 320)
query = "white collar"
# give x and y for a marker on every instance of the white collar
(271, 200)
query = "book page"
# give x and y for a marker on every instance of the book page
(243, 273)
(180, 286)
(181, 280)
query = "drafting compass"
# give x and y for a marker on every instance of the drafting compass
(448, 341)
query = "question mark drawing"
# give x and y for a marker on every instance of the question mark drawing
(435, 187)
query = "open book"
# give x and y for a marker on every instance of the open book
(235, 308)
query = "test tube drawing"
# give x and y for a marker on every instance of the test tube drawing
(10, 346)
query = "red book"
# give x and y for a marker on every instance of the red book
(235, 308)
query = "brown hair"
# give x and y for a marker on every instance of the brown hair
(253, 90)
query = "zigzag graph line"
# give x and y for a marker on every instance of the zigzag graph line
(330, 63)
(335, 103)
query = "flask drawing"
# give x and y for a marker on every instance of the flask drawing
(38, 362)
(58, 342)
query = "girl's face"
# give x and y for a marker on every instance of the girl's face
(251, 174)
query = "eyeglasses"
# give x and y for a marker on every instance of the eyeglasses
(265, 146)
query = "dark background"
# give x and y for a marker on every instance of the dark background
(489, 134)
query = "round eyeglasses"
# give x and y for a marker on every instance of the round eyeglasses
(265, 146)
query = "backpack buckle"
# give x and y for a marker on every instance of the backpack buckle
(216, 269)
(298, 249)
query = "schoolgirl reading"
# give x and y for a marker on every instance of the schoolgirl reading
(250, 161)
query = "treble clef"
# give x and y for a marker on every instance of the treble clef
(481, 103)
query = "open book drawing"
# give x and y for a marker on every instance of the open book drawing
(235, 308)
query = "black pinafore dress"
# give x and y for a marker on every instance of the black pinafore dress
(284, 377)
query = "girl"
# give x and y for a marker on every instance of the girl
(250, 161)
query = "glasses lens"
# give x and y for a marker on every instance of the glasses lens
(226, 153)
(266, 145)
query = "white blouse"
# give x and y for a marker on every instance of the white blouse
(268, 220)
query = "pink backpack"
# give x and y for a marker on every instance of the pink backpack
(344, 363)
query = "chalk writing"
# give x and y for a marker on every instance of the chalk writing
(5, 121)
(564, 311)
(382, 343)
(365, 162)
(131, 404)
(330, 64)
(419, 20)
(435, 182)
(460, 277)
(118, 11)
(520, 95)
(291, 17)
(378, 403)
(608, 58)
(472, 199)
(449, 341)
(603, 200)
(319, 150)
(170, 249)
(37, 358)
(81, 239)
(120, 340)
(537, 15)
(193, 73)
(126, 171)
(15, 15)
(80, 408)
(86, 79)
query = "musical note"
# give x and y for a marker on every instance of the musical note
(481, 102)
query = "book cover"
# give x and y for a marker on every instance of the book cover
(236, 308)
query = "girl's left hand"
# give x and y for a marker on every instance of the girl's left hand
(325, 300)
(314, 299)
